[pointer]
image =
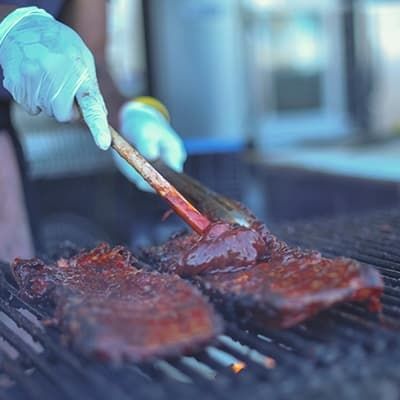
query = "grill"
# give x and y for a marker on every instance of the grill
(342, 353)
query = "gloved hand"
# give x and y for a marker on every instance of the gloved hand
(150, 132)
(46, 65)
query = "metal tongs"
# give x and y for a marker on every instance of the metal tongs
(212, 204)
(182, 207)
(196, 204)
(179, 190)
(192, 201)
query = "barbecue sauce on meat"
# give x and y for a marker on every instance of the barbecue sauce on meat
(262, 278)
(110, 310)
(223, 247)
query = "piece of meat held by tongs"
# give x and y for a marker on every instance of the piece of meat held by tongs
(251, 274)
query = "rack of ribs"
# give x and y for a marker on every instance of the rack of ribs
(249, 273)
(110, 310)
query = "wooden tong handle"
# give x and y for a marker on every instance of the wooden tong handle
(178, 203)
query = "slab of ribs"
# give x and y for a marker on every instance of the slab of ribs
(251, 274)
(111, 308)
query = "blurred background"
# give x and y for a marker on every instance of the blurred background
(291, 107)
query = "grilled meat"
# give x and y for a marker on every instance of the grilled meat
(110, 310)
(222, 247)
(249, 273)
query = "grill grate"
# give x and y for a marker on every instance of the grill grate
(344, 352)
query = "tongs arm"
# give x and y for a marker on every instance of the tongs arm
(165, 189)
(212, 204)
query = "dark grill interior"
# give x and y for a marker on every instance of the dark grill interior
(342, 353)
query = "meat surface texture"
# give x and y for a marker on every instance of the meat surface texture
(110, 310)
(252, 275)
(222, 247)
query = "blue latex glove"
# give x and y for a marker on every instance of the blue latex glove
(46, 66)
(150, 132)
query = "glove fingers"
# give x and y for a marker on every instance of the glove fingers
(153, 137)
(173, 152)
(150, 148)
(62, 105)
(143, 185)
(94, 113)
(30, 102)
(30, 110)
(66, 86)
(18, 96)
(174, 161)
(75, 115)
